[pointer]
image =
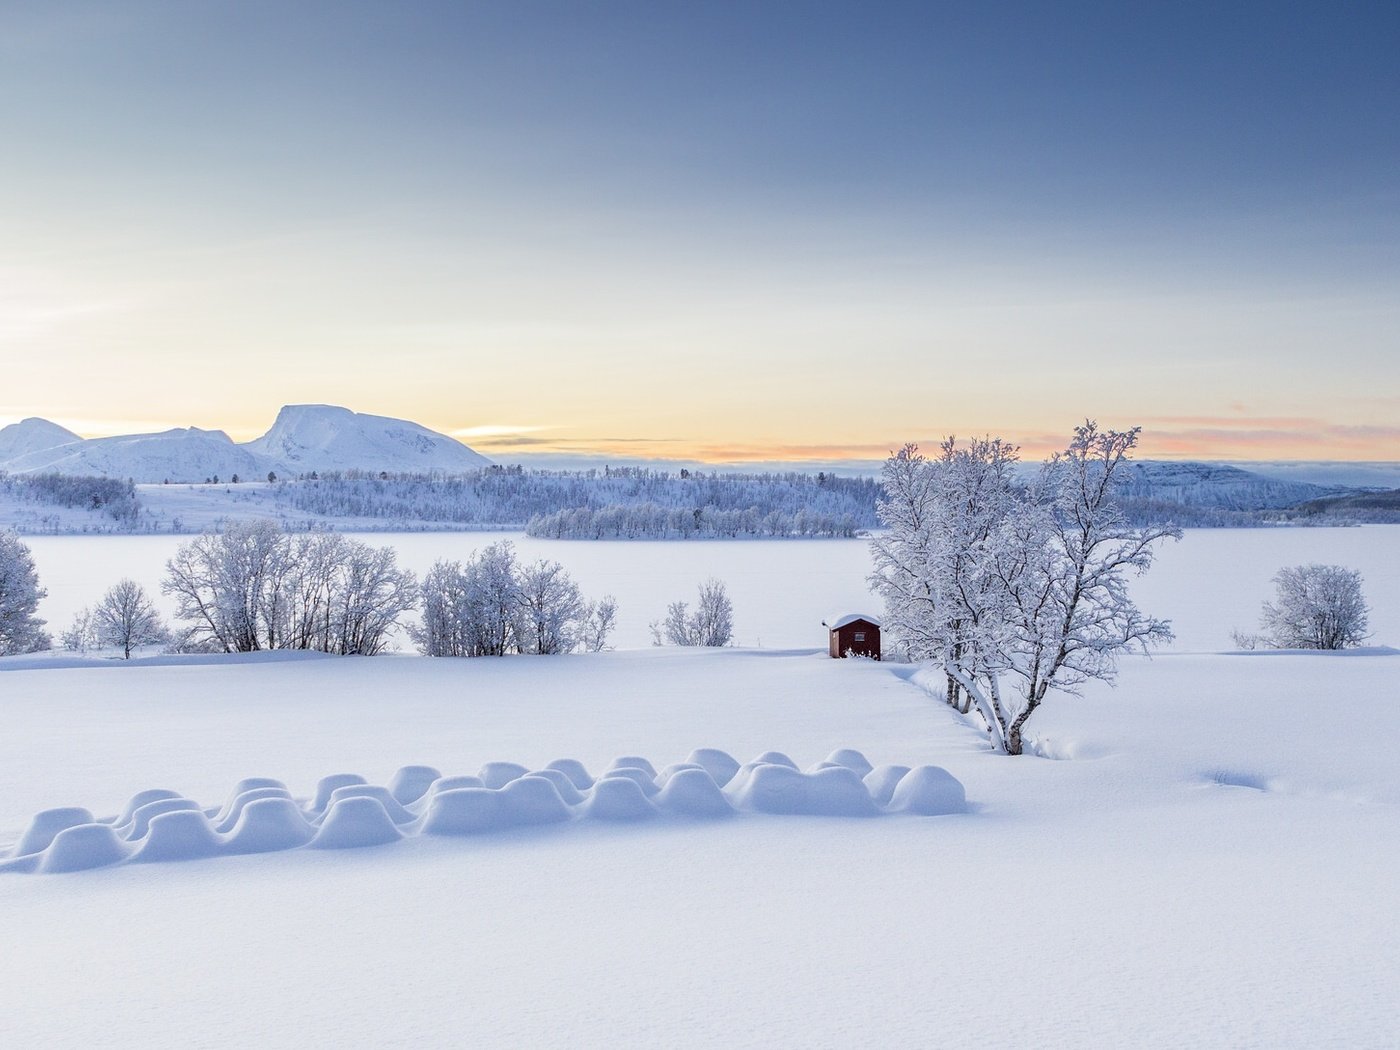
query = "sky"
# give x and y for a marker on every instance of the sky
(722, 231)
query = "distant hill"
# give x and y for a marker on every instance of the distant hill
(303, 440)
(322, 438)
(1356, 506)
(32, 435)
(1218, 487)
(184, 454)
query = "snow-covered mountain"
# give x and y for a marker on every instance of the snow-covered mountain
(32, 435)
(324, 437)
(183, 454)
(304, 438)
(1217, 486)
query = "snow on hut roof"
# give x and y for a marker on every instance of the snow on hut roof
(835, 622)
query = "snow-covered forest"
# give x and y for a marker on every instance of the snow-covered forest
(621, 503)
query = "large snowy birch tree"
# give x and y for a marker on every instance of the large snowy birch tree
(1014, 591)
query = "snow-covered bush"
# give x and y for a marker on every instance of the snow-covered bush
(1013, 590)
(1315, 607)
(254, 587)
(712, 622)
(20, 630)
(81, 634)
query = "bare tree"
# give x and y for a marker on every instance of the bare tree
(491, 606)
(712, 622)
(253, 587)
(20, 630)
(1315, 607)
(599, 619)
(125, 617)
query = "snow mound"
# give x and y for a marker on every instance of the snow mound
(182, 834)
(533, 800)
(719, 764)
(499, 774)
(355, 822)
(774, 758)
(881, 782)
(266, 825)
(450, 783)
(83, 847)
(326, 786)
(141, 798)
(397, 813)
(692, 792)
(346, 812)
(831, 792)
(851, 759)
(465, 811)
(46, 825)
(645, 782)
(634, 762)
(411, 783)
(574, 770)
(141, 820)
(928, 791)
(562, 784)
(619, 798)
(228, 818)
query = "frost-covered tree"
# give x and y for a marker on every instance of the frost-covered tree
(21, 631)
(551, 609)
(126, 618)
(599, 619)
(491, 606)
(1315, 607)
(81, 634)
(711, 623)
(1014, 591)
(254, 587)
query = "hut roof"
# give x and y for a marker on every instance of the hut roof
(837, 622)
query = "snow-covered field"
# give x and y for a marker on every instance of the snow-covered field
(1206, 860)
(1208, 584)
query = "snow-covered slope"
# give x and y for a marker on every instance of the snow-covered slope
(1217, 486)
(32, 435)
(324, 437)
(183, 454)
(305, 438)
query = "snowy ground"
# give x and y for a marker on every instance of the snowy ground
(1209, 583)
(1204, 857)
(1209, 866)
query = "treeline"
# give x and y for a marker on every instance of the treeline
(109, 496)
(627, 503)
(651, 522)
(254, 587)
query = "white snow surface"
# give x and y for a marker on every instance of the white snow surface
(1211, 582)
(1204, 856)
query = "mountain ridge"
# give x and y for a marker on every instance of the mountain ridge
(303, 439)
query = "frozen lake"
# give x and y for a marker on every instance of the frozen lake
(1210, 582)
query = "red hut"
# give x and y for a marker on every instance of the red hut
(853, 635)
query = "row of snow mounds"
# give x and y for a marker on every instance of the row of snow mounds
(347, 812)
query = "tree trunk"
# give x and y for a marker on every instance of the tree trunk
(1013, 739)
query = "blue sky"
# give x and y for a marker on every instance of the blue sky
(717, 230)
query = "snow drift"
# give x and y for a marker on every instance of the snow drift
(345, 812)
